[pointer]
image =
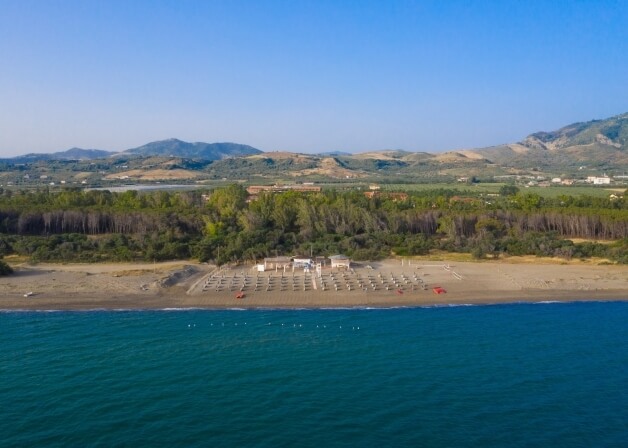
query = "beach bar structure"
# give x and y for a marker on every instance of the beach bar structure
(340, 261)
(301, 262)
(277, 263)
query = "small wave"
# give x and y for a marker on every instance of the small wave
(369, 308)
(180, 309)
(21, 310)
(452, 305)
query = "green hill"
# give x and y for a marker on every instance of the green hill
(597, 143)
(199, 150)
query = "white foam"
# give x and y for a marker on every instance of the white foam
(179, 309)
(449, 305)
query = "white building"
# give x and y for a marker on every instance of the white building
(605, 180)
(277, 263)
(301, 262)
(340, 261)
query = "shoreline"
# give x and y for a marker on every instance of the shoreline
(387, 284)
(308, 308)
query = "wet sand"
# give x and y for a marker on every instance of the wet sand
(380, 284)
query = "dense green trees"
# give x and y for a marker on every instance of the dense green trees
(508, 190)
(223, 226)
(5, 269)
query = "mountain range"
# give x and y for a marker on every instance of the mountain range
(596, 146)
(204, 151)
(167, 148)
(593, 143)
(70, 154)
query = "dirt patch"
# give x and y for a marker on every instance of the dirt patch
(330, 168)
(158, 174)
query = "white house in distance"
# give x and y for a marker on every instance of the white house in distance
(340, 261)
(604, 180)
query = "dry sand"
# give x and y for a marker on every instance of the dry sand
(382, 284)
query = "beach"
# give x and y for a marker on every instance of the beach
(185, 284)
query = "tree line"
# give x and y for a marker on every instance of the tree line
(225, 225)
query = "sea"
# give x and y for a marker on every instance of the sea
(519, 375)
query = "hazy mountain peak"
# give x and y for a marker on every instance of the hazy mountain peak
(198, 150)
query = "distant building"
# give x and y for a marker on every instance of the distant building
(301, 261)
(277, 263)
(604, 180)
(340, 261)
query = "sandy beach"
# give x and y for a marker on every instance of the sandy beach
(389, 283)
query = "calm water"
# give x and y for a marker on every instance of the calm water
(506, 375)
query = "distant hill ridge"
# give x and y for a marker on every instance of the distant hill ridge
(70, 154)
(170, 147)
(198, 150)
(611, 132)
(597, 143)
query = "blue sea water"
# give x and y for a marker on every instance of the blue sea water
(484, 376)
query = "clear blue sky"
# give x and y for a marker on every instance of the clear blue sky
(305, 76)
